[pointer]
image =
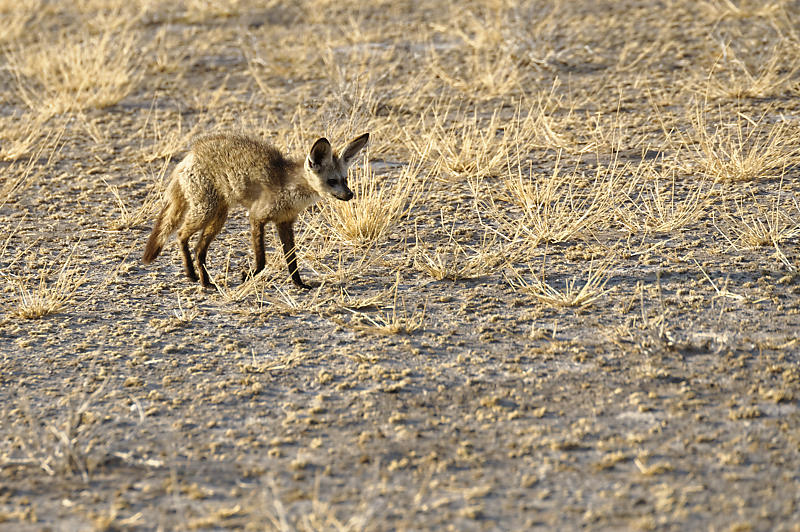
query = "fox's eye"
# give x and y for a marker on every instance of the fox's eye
(331, 182)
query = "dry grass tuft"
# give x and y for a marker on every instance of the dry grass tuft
(661, 207)
(19, 135)
(481, 71)
(744, 149)
(558, 207)
(343, 265)
(18, 19)
(394, 320)
(764, 75)
(75, 72)
(55, 288)
(21, 174)
(184, 315)
(129, 218)
(576, 293)
(475, 144)
(757, 225)
(489, 50)
(455, 260)
(744, 9)
(51, 293)
(456, 263)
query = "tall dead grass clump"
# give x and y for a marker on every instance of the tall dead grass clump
(743, 149)
(457, 258)
(75, 72)
(482, 72)
(488, 50)
(755, 223)
(578, 291)
(475, 145)
(717, 10)
(53, 291)
(557, 207)
(761, 75)
(52, 288)
(663, 205)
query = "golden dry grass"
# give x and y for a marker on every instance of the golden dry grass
(564, 205)
(752, 224)
(661, 206)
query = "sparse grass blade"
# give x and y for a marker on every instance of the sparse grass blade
(56, 288)
(659, 207)
(765, 74)
(472, 144)
(456, 260)
(20, 174)
(65, 445)
(558, 207)
(394, 320)
(129, 218)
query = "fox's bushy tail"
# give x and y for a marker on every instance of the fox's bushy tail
(167, 222)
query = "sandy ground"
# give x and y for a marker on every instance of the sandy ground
(385, 398)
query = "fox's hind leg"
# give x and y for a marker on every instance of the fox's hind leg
(188, 265)
(208, 235)
(195, 220)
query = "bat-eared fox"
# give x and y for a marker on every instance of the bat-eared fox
(225, 170)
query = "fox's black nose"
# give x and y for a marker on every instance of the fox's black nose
(349, 195)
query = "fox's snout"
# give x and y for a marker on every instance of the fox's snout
(347, 195)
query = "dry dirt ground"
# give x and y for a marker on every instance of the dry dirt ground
(566, 295)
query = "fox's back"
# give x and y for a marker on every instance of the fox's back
(240, 168)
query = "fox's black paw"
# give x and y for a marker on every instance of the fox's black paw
(304, 286)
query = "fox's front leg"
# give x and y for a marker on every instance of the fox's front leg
(257, 237)
(286, 234)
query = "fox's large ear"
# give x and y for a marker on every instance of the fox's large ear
(320, 152)
(353, 147)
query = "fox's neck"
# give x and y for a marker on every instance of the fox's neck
(299, 187)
